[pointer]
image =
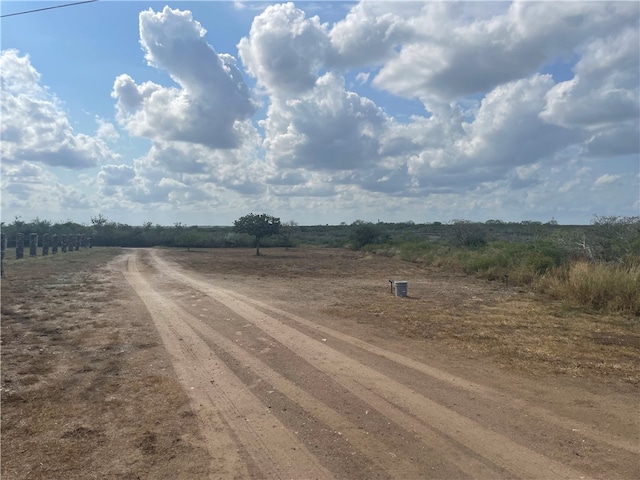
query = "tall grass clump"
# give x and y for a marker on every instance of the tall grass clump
(614, 288)
(523, 262)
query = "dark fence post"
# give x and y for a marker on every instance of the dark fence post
(19, 246)
(3, 247)
(54, 244)
(33, 244)
(65, 243)
(45, 244)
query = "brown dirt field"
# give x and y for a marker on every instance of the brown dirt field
(301, 364)
(87, 388)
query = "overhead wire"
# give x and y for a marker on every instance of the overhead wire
(46, 8)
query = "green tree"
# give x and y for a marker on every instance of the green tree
(366, 233)
(189, 239)
(469, 234)
(258, 226)
(99, 223)
(612, 237)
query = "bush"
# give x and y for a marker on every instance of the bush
(541, 263)
(367, 234)
(468, 234)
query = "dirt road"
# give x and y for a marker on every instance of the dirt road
(281, 396)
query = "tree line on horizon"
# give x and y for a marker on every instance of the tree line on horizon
(617, 234)
(596, 265)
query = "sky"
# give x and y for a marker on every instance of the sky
(320, 112)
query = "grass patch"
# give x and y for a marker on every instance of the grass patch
(613, 288)
(545, 266)
(75, 388)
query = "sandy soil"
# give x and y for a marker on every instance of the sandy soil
(300, 364)
(288, 393)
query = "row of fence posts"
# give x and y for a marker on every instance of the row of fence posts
(64, 242)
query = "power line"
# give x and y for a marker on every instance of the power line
(47, 8)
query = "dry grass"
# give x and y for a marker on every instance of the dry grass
(613, 288)
(521, 332)
(79, 396)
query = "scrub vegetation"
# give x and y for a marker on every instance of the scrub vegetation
(595, 266)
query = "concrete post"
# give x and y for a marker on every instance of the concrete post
(78, 241)
(3, 247)
(19, 246)
(33, 244)
(45, 244)
(54, 244)
(65, 243)
(89, 242)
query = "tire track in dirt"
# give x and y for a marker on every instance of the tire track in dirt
(489, 393)
(456, 463)
(399, 468)
(477, 451)
(208, 381)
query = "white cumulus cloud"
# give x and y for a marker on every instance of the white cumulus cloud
(603, 98)
(371, 32)
(329, 129)
(457, 55)
(285, 50)
(212, 99)
(35, 126)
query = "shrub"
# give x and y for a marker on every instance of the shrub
(541, 263)
(367, 234)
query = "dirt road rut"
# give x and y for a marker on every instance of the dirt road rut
(279, 396)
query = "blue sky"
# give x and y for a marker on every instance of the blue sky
(320, 112)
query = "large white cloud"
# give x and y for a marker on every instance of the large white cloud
(603, 98)
(330, 129)
(500, 135)
(186, 175)
(605, 86)
(30, 190)
(212, 99)
(507, 130)
(371, 32)
(35, 127)
(449, 152)
(503, 139)
(459, 56)
(285, 50)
